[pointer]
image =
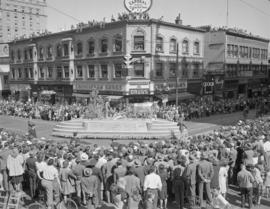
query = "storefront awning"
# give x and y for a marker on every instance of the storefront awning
(80, 95)
(181, 96)
(47, 92)
(113, 97)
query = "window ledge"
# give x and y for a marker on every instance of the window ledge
(78, 56)
(91, 55)
(117, 53)
(118, 79)
(92, 79)
(173, 52)
(49, 58)
(159, 51)
(197, 54)
(185, 53)
(104, 79)
(138, 51)
(80, 78)
(103, 54)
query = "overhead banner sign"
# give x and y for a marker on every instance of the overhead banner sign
(138, 6)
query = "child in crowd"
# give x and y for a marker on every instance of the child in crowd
(267, 182)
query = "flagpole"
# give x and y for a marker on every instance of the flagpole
(227, 15)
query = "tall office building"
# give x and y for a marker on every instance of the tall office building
(21, 17)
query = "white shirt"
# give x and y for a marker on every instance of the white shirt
(41, 165)
(50, 172)
(152, 181)
(266, 146)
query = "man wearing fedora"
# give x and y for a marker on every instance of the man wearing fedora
(205, 174)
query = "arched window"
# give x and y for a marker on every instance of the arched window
(104, 45)
(185, 47)
(173, 45)
(79, 48)
(159, 44)
(196, 48)
(118, 43)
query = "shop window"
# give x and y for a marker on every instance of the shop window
(159, 70)
(91, 47)
(159, 44)
(79, 48)
(118, 71)
(139, 43)
(139, 69)
(173, 45)
(185, 47)
(91, 71)
(79, 72)
(104, 46)
(118, 44)
(104, 71)
(196, 49)
(172, 69)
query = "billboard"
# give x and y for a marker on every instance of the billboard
(138, 6)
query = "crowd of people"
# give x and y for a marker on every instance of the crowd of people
(188, 111)
(140, 174)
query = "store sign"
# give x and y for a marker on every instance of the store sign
(99, 86)
(4, 50)
(139, 91)
(138, 6)
(208, 84)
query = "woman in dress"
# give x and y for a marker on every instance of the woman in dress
(163, 194)
(223, 175)
(67, 179)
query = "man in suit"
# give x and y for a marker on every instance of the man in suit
(205, 174)
(190, 177)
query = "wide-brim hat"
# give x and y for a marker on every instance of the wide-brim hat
(87, 172)
(84, 157)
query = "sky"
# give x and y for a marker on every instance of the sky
(250, 15)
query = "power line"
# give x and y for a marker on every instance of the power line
(63, 13)
(256, 8)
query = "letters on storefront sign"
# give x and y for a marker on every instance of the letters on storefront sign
(138, 6)
(89, 86)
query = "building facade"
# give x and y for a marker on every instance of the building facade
(71, 64)
(21, 18)
(236, 63)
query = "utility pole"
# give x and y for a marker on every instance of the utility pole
(177, 74)
(227, 15)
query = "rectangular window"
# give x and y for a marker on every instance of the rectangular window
(50, 72)
(79, 72)
(66, 50)
(19, 73)
(196, 69)
(91, 71)
(139, 43)
(172, 69)
(139, 69)
(118, 71)
(41, 53)
(159, 70)
(13, 73)
(31, 53)
(104, 71)
(41, 73)
(173, 46)
(31, 74)
(26, 75)
(5, 79)
(66, 72)
(59, 72)
(49, 52)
